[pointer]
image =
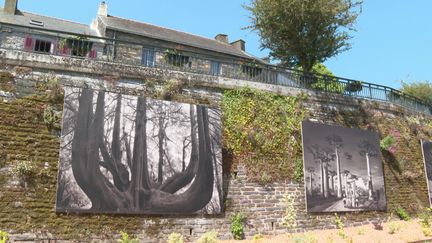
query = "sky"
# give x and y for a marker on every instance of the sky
(392, 42)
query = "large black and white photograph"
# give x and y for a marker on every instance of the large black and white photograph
(427, 156)
(343, 169)
(136, 155)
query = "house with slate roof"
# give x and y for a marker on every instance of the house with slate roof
(111, 38)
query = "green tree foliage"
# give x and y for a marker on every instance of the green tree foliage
(324, 79)
(304, 32)
(419, 89)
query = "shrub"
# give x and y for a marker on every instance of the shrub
(394, 227)
(209, 237)
(51, 117)
(338, 222)
(290, 218)
(52, 86)
(4, 236)
(23, 169)
(265, 179)
(425, 217)
(237, 221)
(125, 238)
(387, 143)
(257, 238)
(402, 214)
(175, 238)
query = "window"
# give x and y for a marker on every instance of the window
(36, 22)
(177, 60)
(79, 47)
(148, 57)
(42, 46)
(215, 68)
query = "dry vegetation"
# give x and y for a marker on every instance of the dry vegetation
(394, 232)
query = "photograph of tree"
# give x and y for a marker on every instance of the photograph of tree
(343, 169)
(427, 155)
(135, 155)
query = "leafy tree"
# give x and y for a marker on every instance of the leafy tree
(419, 89)
(304, 32)
(325, 79)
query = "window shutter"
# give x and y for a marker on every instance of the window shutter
(28, 44)
(64, 51)
(52, 48)
(93, 54)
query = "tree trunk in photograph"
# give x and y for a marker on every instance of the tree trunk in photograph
(354, 196)
(86, 141)
(326, 181)
(105, 196)
(310, 184)
(338, 169)
(332, 184)
(140, 175)
(322, 177)
(160, 143)
(180, 180)
(346, 185)
(370, 189)
(201, 190)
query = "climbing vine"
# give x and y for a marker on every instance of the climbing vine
(262, 130)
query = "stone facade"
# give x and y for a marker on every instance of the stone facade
(27, 211)
(25, 136)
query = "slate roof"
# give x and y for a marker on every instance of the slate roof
(124, 25)
(161, 33)
(49, 23)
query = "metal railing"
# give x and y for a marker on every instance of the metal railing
(135, 53)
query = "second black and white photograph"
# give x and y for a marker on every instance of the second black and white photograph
(427, 156)
(343, 169)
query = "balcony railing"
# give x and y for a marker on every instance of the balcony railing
(135, 53)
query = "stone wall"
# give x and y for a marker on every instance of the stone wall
(27, 209)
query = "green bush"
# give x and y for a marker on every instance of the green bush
(425, 218)
(51, 117)
(125, 238)
(290, 218)
(394, 227)
(402, 214)
(387, 142)
(237, 221)
(338, 222)
(209, 237)
(257, 238)
(4, 236)
(175, 238)
(23, 169)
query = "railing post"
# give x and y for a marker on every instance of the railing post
(370, 91)
(385, 94)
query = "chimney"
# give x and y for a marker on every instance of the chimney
(10, 7)
(222, 38)
(239, 45)
(103, 9)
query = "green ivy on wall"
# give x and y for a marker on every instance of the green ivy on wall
(262, 130)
